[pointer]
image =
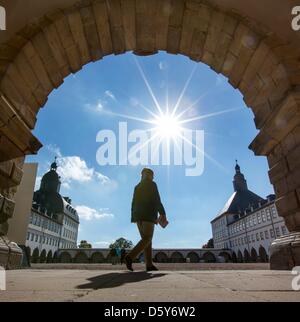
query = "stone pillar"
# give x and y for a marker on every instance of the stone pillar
(279, 140)
(10, 178)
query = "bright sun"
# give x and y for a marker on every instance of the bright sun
(167, 126)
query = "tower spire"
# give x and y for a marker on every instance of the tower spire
(54, 164)
(239, 181)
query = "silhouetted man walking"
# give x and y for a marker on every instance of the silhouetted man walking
(146, 205)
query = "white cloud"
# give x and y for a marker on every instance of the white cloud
(98, 107)
(163, 65)
(75, 169)
(54, 149)
(110, 95)
(89, 214)
(37, 183)
(102, 244)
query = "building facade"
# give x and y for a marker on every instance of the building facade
(53, 221)
(248, 223)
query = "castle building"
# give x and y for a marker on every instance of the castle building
(53, 223)
(248, 223)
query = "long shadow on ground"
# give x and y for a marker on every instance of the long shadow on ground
(111, 280)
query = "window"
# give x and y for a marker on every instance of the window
(274, 213)
(32, 237)
(268, 214)
(262, 236)
(272, 233)
(253, 238)
(264, 218)
(283, 230)
(257, 237)
(266, 234)
(277, 232)
(259, 218)
(28, 236)
(36, 238)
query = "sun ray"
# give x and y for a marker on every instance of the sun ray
(143, 145)
(201, 117)
(192, 105)
(148, 86)
(184, 90)
(138, 103)
(130, 117)
(215, 162)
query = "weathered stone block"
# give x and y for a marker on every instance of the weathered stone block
(42, 47)
(91, 33)
(57, 50)
(80, 39)
(162, 24)
(287, 205)
(279, 170)
(293, 158)
(70, 47)
(285, 252)
(129, 23)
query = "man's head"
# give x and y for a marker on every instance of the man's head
(147, 174)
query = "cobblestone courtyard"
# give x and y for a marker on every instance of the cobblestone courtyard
(104, 283)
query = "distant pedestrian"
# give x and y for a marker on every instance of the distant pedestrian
(123, 255)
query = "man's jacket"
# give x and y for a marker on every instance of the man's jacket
(146, 203)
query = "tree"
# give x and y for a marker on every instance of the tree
(122, 243)
(85, 245)
(210, 244)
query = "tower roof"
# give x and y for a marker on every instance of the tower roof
(242, 198)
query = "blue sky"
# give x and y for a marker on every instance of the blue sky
(88, 102)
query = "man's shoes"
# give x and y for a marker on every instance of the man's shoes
(152, 269)
(128, 262)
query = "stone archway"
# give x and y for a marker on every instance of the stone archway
(65, 258)
(161, 257)
(81, 258)
(254, 256)
(49, 257)
(240, 257)
(226, 256)
(209, 257)
(194, 257)
(263, 255)
(177, 257)
(35, 256)
(234, 257)
(43, 256)
(246, 256)
(58, 40)
(97, 258)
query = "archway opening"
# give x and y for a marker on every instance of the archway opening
(254, 256)
(114, 103)
(251, 56)
(161, 258)
(193, 257)
(209, 257)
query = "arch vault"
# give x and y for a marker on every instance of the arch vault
(255, 48)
